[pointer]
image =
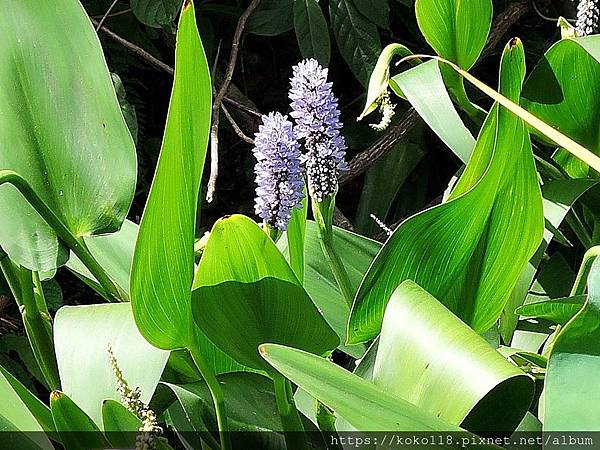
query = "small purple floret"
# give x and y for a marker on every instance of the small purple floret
(280, 186)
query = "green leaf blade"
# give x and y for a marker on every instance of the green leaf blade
(163, 261)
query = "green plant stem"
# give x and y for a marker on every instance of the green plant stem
(290, 419)
(584, 271)
(73, 242)
(216, 392)
(323, 213)
(38, 326)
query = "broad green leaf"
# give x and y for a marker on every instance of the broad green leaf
(364, 405)
(155, 13)
(245, 294)
(163, 261)
(75, 428)
(357, 253)
(357, 38)
(456, 29)
(271, 18)
(114, 252)
(470, 251)
(82, 335)
(119, 424)
(424, 88)
(20, 412)
(558, 198)
(39, 410)
(61, 128)
(572, 398)
(312, 31)
(432, 359)
(377, 11)
(553, 92)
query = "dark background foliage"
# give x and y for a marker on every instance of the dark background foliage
(345, 35)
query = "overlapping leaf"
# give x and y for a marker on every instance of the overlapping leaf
(245, 294)
(571, 386)
(312, 31)
(553, 92)
(468, 252)
(82, 335)
(61, 128)
(430, 358)
(357, 38)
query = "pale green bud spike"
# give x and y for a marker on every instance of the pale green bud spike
(567, 31)
(378, 83)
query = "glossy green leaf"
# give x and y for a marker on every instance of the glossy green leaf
(558, 198)
(271, 18)
(571, 385)
(120, 424)
(312, 31)
(21, 411)
(155, 13)
(357, 253)
(163, 261)
(82, 335)
(470, 251)
(296, 240)
(377, 11)
(424, 88)
(456, 29)
(114, 252)
(432, 359)
(553, 93)
(357, 38)
(39, 410)
(364, 405)
(245, 294)
(75, 428)
(559, 310)
(61, 128)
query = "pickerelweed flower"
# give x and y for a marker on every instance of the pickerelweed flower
(280, 186)
(315, 110)
(588, 17)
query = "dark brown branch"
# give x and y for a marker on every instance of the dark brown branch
(214, 129)
(361, 162)
(236, 127)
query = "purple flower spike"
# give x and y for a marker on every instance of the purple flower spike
(315, 110)
(280, 186)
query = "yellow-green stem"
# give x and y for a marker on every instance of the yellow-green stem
(70, 240)
(584, 271)
(290, 419)
(38, 327)
(216, 392)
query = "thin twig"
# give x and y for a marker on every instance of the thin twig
(214, 129)
(135, 49)
(236, 127)
(106, 14)
(242, 107)
(361, 162)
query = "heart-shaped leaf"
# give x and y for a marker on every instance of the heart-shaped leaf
(245, 294)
